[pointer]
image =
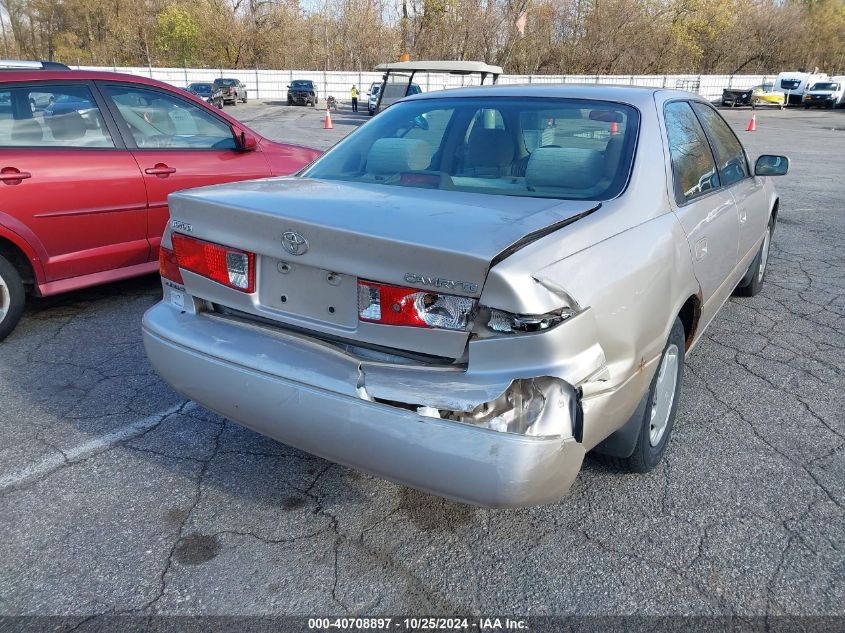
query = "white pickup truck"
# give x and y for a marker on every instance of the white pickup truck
(825, 94)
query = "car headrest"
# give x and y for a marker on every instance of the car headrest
(568, 167)
(26, 131)
(612, 154)
(67, 126)
(489, 148)
(396, 155)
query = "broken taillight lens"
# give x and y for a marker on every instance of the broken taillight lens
(395, 305)
(506, 322)
(231, 267)
(168, 267)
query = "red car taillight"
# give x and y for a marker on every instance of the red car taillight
(231, 267)
(395, 305)
(168, 267)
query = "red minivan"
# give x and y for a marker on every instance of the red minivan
(87, 160)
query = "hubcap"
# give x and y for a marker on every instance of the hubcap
(764, 256)
(5, 299)
(664, 394)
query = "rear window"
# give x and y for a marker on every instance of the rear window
(544, 148)
(789, 84)
(226, 82)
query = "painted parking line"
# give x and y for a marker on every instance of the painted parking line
(93, 446)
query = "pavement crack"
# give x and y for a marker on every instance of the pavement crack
(162, 579)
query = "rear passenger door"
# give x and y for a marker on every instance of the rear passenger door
(705, 209)
(177, 144)
(735, 174)
(67, 184)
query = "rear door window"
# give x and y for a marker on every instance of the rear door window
(693, 167)
(45, 115)
(730, 156)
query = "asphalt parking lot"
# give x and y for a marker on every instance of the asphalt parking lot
(117, 496)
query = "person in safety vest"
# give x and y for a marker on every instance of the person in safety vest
(354, 99)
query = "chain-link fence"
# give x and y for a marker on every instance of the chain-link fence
(272, 84)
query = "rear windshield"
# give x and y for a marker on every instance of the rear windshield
(544, 148)
(825, 86)
(226, 82)
(790, 84)
(301, 85)
(202, 88)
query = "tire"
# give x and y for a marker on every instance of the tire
(752, 283)
(245, 98)
(12, 297)
(661, 405)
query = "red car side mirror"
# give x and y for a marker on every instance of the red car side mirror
(246, 141)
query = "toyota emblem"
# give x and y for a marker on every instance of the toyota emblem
(294, 243)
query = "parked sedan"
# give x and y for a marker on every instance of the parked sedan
(208, 92)
(435, 303)
(84, 183)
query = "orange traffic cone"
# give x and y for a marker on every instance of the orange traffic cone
(752, 124)
(327, 125)
(614, 128)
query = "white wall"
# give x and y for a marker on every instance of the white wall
(272, 84)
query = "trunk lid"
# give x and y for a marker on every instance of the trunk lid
(441, 241)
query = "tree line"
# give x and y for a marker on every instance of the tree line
(523, 36)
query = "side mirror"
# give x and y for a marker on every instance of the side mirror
(771, 165)
(246, 141)
(288, 86)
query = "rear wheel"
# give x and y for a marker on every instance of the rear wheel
(661, 407)
(752, 283)
(245, 98)
(12, 297)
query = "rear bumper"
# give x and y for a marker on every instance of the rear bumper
(451, 459)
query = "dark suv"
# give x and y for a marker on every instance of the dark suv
(302, 92)
(233, 90)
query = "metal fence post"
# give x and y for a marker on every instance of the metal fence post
(185, 69)
(257, 92)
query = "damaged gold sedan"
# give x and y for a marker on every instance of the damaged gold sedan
(472, 290)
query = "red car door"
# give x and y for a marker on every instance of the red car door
(68, 186)
(177, 144)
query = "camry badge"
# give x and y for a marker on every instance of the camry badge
(294, 243)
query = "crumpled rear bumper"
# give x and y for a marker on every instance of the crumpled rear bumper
(305, 394)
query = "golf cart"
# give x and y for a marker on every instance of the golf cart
(398, 80)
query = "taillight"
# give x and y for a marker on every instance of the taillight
(229, 266)
(395, 305)
(168, 267)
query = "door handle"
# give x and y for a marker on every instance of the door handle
(12, 176)
(161, 170)
(743, 216)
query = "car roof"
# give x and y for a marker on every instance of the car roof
(635, 95)
(15, 76)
